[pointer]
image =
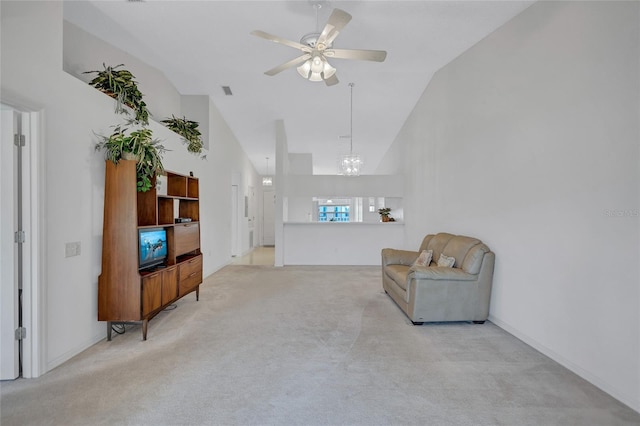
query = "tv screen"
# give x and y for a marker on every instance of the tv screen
(153, 246)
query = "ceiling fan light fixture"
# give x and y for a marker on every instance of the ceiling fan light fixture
(317, 46)
(316, 69)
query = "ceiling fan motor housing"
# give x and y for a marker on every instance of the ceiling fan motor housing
(311, 40)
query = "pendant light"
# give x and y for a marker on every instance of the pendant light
(267, 180)
(350, 164)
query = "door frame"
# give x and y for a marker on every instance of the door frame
(33, 295)
(235, 221)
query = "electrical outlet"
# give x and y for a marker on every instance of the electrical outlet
(72, 249)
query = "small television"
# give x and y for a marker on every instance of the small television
(152, 247)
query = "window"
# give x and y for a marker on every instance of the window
(333, 213)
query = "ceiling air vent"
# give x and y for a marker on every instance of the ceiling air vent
(227, 90)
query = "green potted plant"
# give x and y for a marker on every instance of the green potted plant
(188, 130)
(120, 85)
(137, 145)
(384, 214)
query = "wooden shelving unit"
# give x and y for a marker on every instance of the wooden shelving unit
(126, 294)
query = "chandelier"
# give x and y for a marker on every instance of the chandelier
(267, 180)
(350, 164)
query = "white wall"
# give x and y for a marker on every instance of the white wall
(83, 51)
(339, 243)
(197, 108)
(343, 186)
(529, 141)
(73, 175)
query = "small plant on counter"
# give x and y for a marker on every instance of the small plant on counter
(137, 145)
(188, 130)
(384, 214)
(120, 85)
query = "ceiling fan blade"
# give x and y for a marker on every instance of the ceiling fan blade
(291, 63)
(281, 40)
(337, 21)
(360, 54)
(331, 81)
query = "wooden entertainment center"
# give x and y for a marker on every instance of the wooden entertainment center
(125, 293)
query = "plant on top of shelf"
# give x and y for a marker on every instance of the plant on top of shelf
(120, 85)
(137, 145)
(188, 130)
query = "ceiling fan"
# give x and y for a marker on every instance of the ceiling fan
(317, 47)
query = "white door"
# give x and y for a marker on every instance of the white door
(234, 221)
(268, 218)
(9, 346)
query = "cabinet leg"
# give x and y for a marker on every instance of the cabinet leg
(198, 293)
(145, 324)
(108, 331)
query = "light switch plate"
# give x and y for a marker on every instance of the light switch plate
(72, 249)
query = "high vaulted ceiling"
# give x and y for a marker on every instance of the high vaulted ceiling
(204, 45)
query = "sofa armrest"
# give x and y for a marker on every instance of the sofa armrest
(398, 257)
(440, 273)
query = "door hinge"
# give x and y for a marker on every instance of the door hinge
(18, 140)
(19, 237)
(21, 333)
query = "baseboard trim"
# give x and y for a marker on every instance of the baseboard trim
(587, 375)
(59, 360)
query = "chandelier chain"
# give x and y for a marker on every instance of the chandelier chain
(351, 122)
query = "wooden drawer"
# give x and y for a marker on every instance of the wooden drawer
(187, 238)
(190, 274)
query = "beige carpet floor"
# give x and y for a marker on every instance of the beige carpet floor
(307, 346)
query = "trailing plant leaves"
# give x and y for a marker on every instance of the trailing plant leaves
(188, 130)
(120, 85)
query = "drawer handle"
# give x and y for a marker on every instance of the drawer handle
(192, 274)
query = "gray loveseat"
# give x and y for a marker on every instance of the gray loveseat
(438, 293)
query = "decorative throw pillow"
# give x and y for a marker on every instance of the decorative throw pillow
(424, 259)
(446, 261)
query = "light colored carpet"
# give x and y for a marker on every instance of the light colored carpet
(307, 346)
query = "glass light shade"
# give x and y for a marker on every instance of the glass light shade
(328, 70)
(317, 64)
(305, 69)
(267, 181)
(350, 165)
(316, 69)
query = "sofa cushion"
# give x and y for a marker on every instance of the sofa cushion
(473, 260)
(438, 243)
(424, 259)
(425, 242)
(446, 261)
(398, 273)
(440, 274)
(458, 247)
